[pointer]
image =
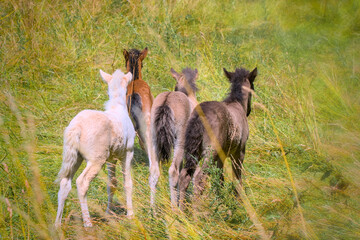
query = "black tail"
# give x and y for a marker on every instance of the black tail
(164, 132)
(193, 143)
(135, 105)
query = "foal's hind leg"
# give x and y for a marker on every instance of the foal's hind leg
(200, 175)
(184, 181)
(200, 180)
(154, 174)
(148, 141)
(128, 181)
(174, 171)
(65, 187)
(236, 163)
(82, 182)
(154, 166)
(111, 185)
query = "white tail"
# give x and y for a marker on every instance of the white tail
(70, 153)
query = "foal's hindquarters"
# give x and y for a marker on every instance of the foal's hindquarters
(169, 116)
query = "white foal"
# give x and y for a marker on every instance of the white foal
(98, 137)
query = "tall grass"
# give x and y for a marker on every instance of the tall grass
(306, 112)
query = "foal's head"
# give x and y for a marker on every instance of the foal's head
(185, 81)
(117, 83)
(133, 61)
(242, 84)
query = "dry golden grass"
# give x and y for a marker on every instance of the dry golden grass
(302, 165)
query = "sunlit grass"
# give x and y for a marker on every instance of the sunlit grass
(307, 54)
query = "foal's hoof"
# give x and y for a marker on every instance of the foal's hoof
(57, 225)
(109, 212)
(117, 209)
(88, 224)
(130, 214)
(153, 211)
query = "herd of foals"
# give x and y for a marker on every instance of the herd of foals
(171, 125)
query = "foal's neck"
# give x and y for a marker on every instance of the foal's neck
(193, 101)
(139, 76)
(116, 104)
(136, 72)
(237, 102)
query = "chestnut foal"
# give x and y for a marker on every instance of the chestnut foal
(139, 98)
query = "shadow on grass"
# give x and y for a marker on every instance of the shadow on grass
(140, 156)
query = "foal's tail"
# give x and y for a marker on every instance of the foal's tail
(164, 132)
(193, 143)
(70, 153)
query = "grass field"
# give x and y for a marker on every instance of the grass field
(302, 177)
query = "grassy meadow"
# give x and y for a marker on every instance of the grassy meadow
(302, 165)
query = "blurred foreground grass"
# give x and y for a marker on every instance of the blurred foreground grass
(307, 92)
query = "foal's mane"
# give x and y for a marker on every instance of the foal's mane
(133, 59)
(189, 76)
(118, 73)
(237, 80)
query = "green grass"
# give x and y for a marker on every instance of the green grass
(307, 103)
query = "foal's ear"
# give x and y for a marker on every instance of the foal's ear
(128, 77)
(252, 75)
(227, 74)
(143, 53)
(196, 73)
(175, 74)
(105, 76)
(126, 54)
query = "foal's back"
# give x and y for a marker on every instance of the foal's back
(178, 102)
(93, 127)
(227, 122)
(96, 129)
(142, 88)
